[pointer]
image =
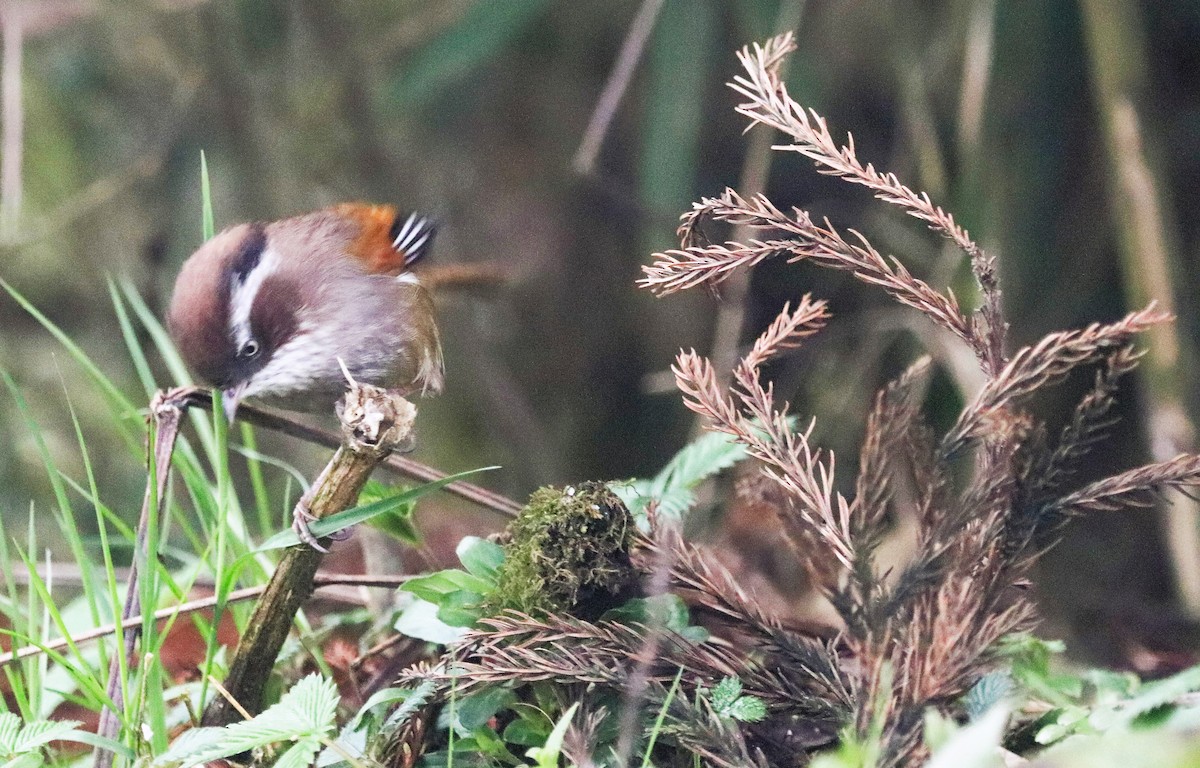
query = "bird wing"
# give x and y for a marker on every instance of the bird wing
(388, 241)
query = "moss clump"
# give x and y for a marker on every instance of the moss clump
(568, 550)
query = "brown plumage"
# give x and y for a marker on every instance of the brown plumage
(273, 310)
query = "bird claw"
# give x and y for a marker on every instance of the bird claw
(301, 518)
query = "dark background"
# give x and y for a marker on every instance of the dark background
(473, 110)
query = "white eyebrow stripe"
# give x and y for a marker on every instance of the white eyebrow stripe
(241, 298)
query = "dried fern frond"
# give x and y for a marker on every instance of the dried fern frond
(1043, 364)
(678, 270)
(750, 416)
(788, 330)
(1135, 488)
(1088, 424)
(768, 102)
(700, 264)
(692, 723)
(515, 648)
(893, 416)
(810, 662)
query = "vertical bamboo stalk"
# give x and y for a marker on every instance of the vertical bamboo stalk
(1118, 61)
(13, 138)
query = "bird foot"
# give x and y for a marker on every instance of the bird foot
(302, 518)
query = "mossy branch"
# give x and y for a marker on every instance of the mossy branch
(374, 423)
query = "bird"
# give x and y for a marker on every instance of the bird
(285, 311)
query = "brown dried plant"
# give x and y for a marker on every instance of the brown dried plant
(923, 637)
(990, 495)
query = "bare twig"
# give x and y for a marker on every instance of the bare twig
(166, 411)
(199, 604)
(284, 424)
(618, 81)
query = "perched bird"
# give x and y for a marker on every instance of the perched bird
(274, 310)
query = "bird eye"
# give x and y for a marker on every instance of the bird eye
(249, 349)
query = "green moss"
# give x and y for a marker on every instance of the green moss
(568, 550)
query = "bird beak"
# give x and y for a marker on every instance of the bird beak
(230, 399)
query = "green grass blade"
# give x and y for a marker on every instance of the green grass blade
(123, 406)
(342, 520)
(207, 220)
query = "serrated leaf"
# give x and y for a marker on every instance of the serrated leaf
(312, 703)
(989, 691)
(1161, 693)
(671, 489)
(725, 693)
(304, 714)
(10, 727)
(38, 734)
(28, 760)
(699, 460)
(747, 709)
(300, 755)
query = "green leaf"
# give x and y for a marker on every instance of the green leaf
(27, 760)
(989, 691)
(396, 523)
(546, 756)
(92, 740)
(10, 727)
(527, 732)
(666, 610)
(747, 709)
(662, 716)
(725, 693)
(671, 488)
(420, 620)
(480, 557)
(475, 710)
(728, 702)
(208, 226)
(436, 586)
(305, 714)
(461, 609)
(343, 520)
(38, 734)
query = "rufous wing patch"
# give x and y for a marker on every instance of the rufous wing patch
(388, 241)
